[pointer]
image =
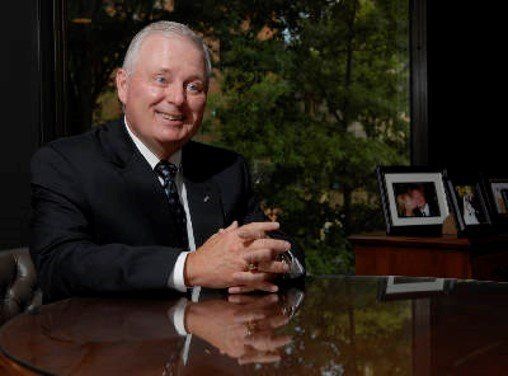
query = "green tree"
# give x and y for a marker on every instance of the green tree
(315, 108)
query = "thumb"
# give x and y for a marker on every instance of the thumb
(232, 226)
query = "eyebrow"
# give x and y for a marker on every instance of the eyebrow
(193, 77)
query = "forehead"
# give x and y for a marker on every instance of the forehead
(160, 51)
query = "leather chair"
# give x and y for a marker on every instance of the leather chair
(18, 284)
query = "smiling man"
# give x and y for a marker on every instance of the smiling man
(163, 92)
(135, 206)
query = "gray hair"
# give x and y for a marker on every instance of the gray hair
(167, 28)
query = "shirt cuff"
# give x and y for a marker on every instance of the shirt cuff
(176, 278)
(177, 314)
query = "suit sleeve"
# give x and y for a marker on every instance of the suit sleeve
(67, 260)
(253, 213)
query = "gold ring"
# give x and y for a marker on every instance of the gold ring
(249, 332)
(251, 267)
(251, 327)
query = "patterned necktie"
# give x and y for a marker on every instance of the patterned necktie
(167, 171)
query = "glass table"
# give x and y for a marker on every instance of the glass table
(331, 326)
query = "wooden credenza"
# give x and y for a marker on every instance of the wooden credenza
(445, 256)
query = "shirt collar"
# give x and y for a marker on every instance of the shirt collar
(151, 158)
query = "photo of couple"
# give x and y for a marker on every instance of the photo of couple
(416, 199)
(469, 205)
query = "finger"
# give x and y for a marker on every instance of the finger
(274, 267)
(248, 299)
(257, 230)
(264, 260)
(259, 358)
(268, 287)
(240, 289)
(271, 323)
(249, 279)
(220, 232)
(277, 321)
(265, 255)
(276, 244)
(265, 342)
(232, 226)
(248, 316)
(239, 299)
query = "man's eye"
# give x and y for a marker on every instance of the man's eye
(195, 87)
(161, 80)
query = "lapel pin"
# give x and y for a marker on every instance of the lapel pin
(206, 199)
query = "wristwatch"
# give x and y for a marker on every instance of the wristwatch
(286, 258)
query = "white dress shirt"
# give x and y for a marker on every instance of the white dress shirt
(425, 210)
(176, 278)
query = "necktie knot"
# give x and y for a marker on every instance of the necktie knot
(166, 171)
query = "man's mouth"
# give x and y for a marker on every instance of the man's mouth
(170, 116)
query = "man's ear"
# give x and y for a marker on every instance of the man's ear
(122, 85)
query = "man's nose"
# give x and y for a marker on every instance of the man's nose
(175, 94)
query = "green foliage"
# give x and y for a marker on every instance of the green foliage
(291, 105)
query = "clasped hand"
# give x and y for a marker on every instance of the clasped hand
(225, 260)
(243, 327)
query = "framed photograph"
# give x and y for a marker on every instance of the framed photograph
(469, 203)
(398, 287)
(414, 200)
(498, 193)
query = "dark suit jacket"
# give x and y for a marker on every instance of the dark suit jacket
(101, 221)
(433, 210)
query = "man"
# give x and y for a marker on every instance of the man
(121, 208)
(423, 207)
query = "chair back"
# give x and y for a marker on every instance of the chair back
(18, 284)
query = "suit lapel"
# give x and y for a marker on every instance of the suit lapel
(203, 196)
(150, 199)
(144, 189)
(205, 209)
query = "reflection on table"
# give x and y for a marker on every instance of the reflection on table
(355, 325)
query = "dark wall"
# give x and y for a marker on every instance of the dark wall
(467, 86)
(19, 99)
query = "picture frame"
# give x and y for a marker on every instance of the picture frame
(469, 204)
(413, 199)
(400, 287)
(497, 193)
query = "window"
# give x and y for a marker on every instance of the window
(314, 93)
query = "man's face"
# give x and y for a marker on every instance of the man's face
(165, 94)
(418, 197)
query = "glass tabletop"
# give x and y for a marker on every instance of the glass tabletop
(330, 326)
